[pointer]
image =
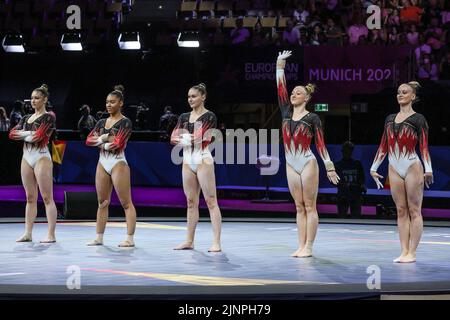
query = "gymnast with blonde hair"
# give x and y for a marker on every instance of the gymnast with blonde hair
(402, 132)
(299, 127)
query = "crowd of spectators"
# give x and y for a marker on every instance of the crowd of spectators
(422, 24)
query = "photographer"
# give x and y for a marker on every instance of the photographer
(86, 122)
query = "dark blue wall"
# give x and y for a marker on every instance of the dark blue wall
(151, 165)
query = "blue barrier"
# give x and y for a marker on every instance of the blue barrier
(151, 165)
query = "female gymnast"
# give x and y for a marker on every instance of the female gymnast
(402, 131)
(193, 132)
(299, 126)
(37, 168)
(111, 136)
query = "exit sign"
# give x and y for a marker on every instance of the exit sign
(321, 107)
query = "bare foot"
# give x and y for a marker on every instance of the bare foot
(401, 257)
(25, 238)
(127, 244)
(50, 239)
(296, 253)
(185, 246)
(94, 243)
(305, 253)
(215, 248)
(409, 258)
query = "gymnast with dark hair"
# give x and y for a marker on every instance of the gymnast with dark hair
(402, 132)
(194, 132)
(110, 135)
(299, 127)
(37, 168)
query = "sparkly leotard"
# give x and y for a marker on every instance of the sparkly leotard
(399, 142)
(121, 131)
(194, 153)
(297, 135)
(35, 145)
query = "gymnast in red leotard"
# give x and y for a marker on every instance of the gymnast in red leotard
(193, 132)
(402, 132)
(110, 136)
(37, 167)
(299, 127)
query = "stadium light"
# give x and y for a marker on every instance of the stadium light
(13, 43)
(129, 41)
(188, 39)
(71, 42)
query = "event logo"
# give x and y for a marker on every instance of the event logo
(74, 20)
(267, 71)
(349, 74)
(374, 20)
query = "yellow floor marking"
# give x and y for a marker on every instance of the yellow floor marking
(205, 280)
(434, 242)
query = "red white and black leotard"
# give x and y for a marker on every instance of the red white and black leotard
(36, 136)
(297, 135)
(195, 150)
(399, 142)
(121, 131)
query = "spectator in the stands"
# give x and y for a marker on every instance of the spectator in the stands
(291, 35)
(301, 13)
(356, 30)
(410, 13)
(393, 19)
(433, 40)
(413, 35)
(239, 35)
(393, 38)
(260, 36)
(317, 37)
(428, 69)
(333, 33)
(422, 48)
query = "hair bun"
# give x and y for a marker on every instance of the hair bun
(415, 85)
(44, 88)
(310, 88)
(120, 88)
(202, 85)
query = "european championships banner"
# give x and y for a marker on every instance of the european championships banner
(248, 74)
(340, 72)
